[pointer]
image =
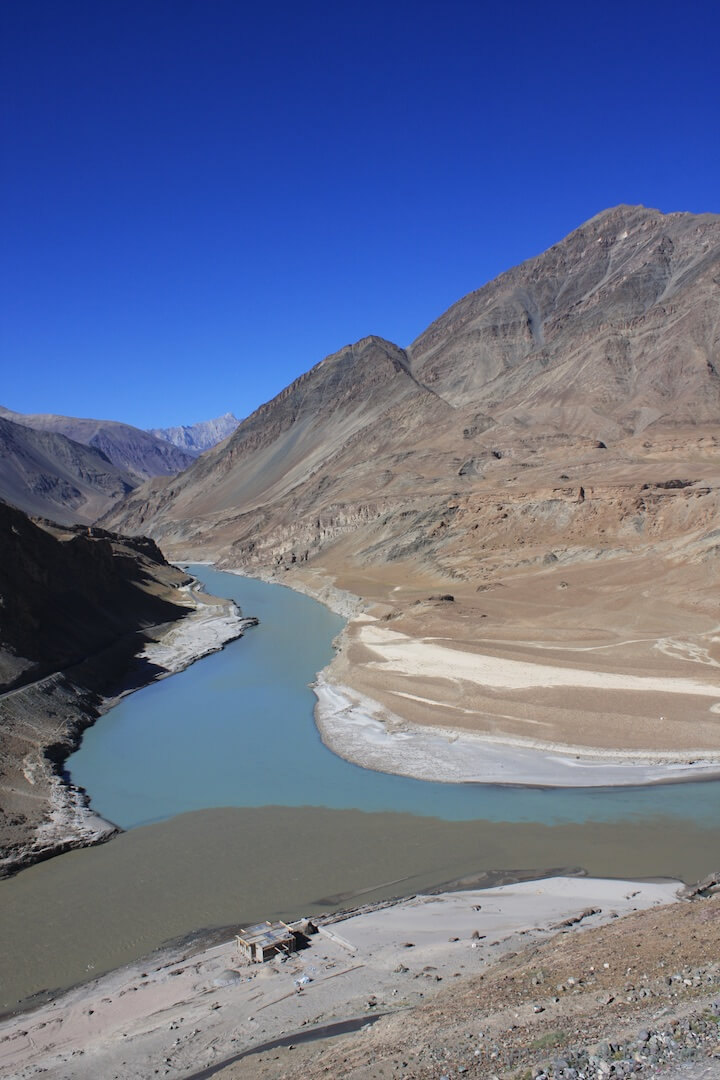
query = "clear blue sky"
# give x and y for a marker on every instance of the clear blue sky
(202, 198)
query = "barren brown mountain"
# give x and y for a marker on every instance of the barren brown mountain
(546, 453)
(526, 503)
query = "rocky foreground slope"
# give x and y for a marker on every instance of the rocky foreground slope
(77, 606)
(546, 452)
(562, 978)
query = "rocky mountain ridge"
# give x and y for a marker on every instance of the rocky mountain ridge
(617, 321)
(135, 452)
(546, 452)
(46, 473)
(195, 438)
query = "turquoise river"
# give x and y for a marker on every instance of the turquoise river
(235, 811)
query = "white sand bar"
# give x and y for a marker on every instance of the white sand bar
(209, 625)
(360, 730)
(400, 653)
(497, 912)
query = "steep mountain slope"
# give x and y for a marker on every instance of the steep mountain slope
(45, 473)
(548, 453)
(306, 448)
(68, 593)
(612, 333)
(195, 438)
(135, 452)
(608, 332)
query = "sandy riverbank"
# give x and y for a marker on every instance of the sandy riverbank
(464, 709)
(434, 700)
(319, 587)
(210, 624)
(178, 1012)
(361, 730)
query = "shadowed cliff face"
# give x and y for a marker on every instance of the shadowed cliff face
(76, 606)
(581, 368)
(67, 594)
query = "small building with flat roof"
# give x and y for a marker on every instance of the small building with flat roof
(265, 940)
